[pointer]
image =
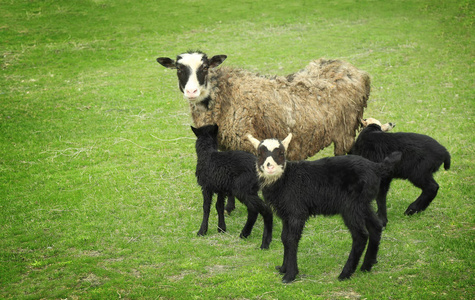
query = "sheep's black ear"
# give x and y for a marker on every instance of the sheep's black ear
(195, 130)
(167, 62)
(217, 60)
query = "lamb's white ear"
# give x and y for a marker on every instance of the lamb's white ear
(286, 141)
(255, 142)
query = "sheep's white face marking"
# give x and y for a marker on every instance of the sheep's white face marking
(192, 76)
(192, 71)
(384, 127)
(270, 158)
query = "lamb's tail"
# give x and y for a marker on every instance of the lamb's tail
(387, 165)
(447, 162)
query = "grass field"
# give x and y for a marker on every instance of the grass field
(98, 198)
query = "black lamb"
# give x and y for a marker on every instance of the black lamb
(343, 185)
(229, 173)
(422, 156)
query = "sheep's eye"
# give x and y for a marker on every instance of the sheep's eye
(262, 151)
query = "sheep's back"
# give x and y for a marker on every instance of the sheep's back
(317, 104)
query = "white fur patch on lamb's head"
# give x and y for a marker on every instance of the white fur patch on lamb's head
(370, 121)
(270, 158)
(384, 127)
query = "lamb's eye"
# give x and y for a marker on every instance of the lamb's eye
(262, 151)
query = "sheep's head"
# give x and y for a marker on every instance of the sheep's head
(192, 71)
(384, 127)
(270, 157)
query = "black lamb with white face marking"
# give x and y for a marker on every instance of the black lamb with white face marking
(229, 173)
(271, 157)
(422, 156)
(343, 185)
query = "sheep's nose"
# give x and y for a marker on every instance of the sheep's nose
(192, 92)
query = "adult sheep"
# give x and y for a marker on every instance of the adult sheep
(321, 104)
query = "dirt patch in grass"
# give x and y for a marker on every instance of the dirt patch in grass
(350, 294)
(93, 280)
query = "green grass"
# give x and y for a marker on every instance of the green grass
(98, 198)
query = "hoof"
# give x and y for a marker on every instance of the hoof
(366, 268)
(288, 279)
(228, 210)
(344, 277)
(243, 236)
(264, 247)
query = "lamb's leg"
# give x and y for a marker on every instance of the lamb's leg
(207, 197)
(375, 228)
(230, 205)
(284, 237)
(252, 215)
(251, 220)
(429, 190)
(381, 201)
(267, 215)
(356, 225)
(220, 210)
(291, 234)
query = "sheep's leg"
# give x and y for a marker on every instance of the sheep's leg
(339, 148)
(355, 224)
(207, 197)
(381, 201)
(291, 234)
(344, 143)
(375, 228)
(251, 220)
(252, 215)
(230, 205)
(429, 190)
(220, 210)
(284, 237)
(267, 215)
